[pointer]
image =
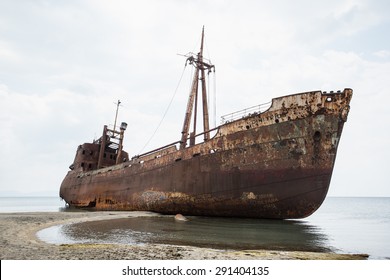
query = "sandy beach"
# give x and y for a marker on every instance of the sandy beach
(19, 241)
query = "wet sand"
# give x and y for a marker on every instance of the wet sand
(18, 241)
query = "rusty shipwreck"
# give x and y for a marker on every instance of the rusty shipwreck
(273, 162)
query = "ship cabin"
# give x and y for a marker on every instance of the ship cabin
(104, 152)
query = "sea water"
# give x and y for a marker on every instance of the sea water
(356, 225)
(31, 204)
(342, 225)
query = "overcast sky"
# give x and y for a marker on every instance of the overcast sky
(63, 64)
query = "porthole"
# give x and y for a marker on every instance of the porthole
(317, 136)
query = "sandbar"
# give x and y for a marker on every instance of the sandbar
(19, 241)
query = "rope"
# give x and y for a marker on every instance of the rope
(211, 98)
(215, 99)
(165, 113)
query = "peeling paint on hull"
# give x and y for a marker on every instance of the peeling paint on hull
(275, 164)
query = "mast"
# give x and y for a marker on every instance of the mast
(206, 125)
(116, 114)
(113, 139)
(200, 66)
(190, 105)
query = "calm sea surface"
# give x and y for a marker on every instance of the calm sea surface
(31, 204)
(344, 225)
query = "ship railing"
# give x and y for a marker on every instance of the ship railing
(157, 150)
(258, 109)
(172, 145)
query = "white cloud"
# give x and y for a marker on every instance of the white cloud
(8, 54)
(382, 53)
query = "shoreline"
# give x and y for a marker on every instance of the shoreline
(19, 241)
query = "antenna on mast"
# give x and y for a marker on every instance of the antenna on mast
(116, 114)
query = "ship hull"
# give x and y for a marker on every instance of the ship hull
(276, 164)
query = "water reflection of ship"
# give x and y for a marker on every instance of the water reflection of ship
(219, 233)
